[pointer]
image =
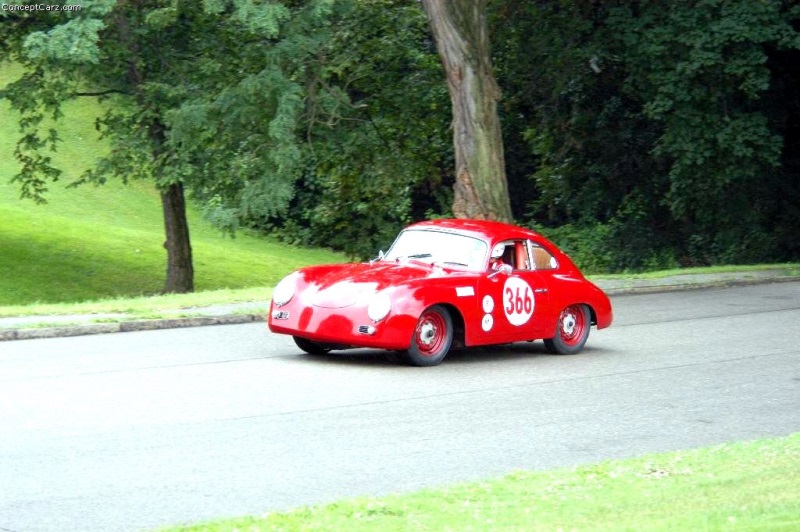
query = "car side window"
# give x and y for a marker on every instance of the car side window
(542, 259)
(525, 255)
(514, 253)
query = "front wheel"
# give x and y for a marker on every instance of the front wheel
(432, 337)
(572, 331)
(312, 348)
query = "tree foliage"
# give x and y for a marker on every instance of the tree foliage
(136, 51)
(654, 126)
(158, 57)
(377, 118)
(343, 126)
(701, 72)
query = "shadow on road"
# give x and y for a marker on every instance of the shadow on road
(464, 355)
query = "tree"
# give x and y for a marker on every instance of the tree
(702, 74)
(314, 137)
(657, 134)
(374, 130)
(578, 148)
(462, 38)
(133, 51)
(153, 58)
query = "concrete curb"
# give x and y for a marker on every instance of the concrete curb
(126, 326)
(727, 283)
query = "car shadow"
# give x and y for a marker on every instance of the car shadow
(459, 355)
(364, 357)
(512, 353)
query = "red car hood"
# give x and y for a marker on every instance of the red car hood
(343, 285)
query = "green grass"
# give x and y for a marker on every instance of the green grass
(99, 242)
(741, 486)
(155, 306)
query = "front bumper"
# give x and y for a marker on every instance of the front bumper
(348, 326)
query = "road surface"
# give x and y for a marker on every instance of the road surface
(133, 431)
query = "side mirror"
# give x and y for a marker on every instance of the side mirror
(379, 257)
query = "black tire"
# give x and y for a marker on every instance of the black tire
(432, 337)
(312, 348)
(572, 331)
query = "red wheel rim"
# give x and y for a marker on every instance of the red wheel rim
(430, 334)
(572, 325)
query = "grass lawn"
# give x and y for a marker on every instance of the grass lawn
(50, 254)
(98, 242)
(741, 486)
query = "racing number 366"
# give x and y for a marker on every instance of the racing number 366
(518, 304)
(518, 301)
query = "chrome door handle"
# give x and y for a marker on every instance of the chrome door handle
(540, 291)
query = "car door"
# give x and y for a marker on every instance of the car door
(512, 299)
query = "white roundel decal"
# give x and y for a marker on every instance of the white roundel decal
(487, 322)
(488, 304)
(517, 301)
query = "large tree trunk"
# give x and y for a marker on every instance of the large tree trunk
(462, 38)
(180, 272)
(180, 268)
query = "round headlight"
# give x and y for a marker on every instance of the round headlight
(379, 307)
(284, 291)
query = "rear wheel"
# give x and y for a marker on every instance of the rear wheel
(312, 348)
(432, 337)
(572, 331)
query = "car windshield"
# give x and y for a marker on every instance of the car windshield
(449, 249)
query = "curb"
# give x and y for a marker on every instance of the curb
(126, 326)
(726, 283)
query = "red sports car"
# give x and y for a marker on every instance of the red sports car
(443, 283)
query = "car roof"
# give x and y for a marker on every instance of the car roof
(486, 229)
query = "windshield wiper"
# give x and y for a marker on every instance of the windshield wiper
(415, 256)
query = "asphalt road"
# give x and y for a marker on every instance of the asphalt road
(138, 430)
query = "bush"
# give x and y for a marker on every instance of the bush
(612, 247)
